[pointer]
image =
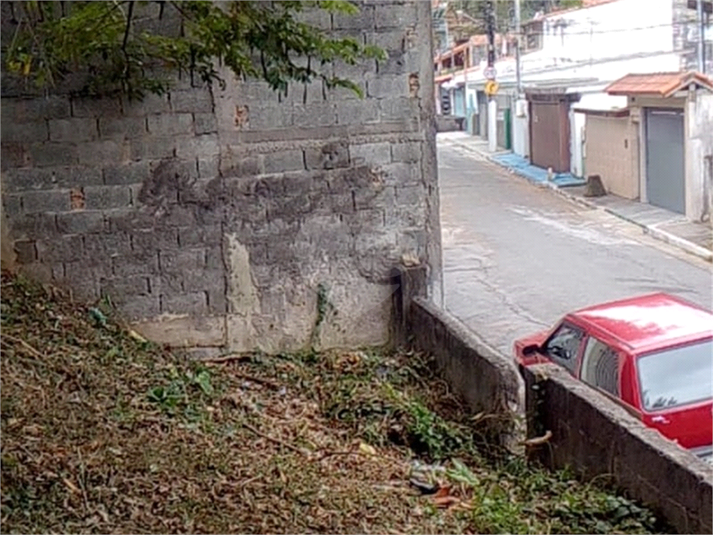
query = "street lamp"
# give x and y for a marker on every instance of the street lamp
(467, 60)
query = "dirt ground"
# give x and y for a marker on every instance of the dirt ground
(104, 432)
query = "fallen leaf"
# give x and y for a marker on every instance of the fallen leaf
(71, 486)
(445, 501)
(366, 449)
(443, 491)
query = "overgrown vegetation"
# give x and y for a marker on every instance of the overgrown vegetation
(135, 48)
(105, 432)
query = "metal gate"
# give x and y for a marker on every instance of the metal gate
(665, 163)
(549, 135)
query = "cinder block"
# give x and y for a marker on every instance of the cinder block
(194, 303)
(152, 241)
(408, 152)
(73, 130)
(217, 302)
(152, 148)
(34, 226)
(22, 110)
(14, 155)
(388, 86)
(129, 173)
(192, 101)
(191, 147)
(395, 15)
(37, 272)
(205, 123)
(124, 287)
(34, 132)
(209, 167)
(11, 206)
(26, 252)
(269, 117)
(107, 245)
(106, 197)
(45, 201)
(207, 280)
(141, 307)
(122, 128)
(341, 94)
(401, 174)
(370, 154)
(26, 179)
(316, 114)
(287, 160)
(64, 249)
(243, 167)
(392, 41)
(169, 124)
(135, 264)
(95, 107)
(399, 108)
(150, 105)
(318, 18)
(400, 62)
(102, 153)
(129, 220)
(357, 112)
(53, 154)
(410, 196)
(330, 156)
(80, 222)
(182, 261)
(360, 21)
(198, 236)
(76, 176)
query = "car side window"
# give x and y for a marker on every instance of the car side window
(600, 366)
(563, 346)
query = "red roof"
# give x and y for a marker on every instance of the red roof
(650, 322)
(662, 84)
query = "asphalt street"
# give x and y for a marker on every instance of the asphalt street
(517, 256)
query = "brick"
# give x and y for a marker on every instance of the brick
(14, 155)
(64, 249)
(170, 124)
(152, 241)
(192, 101)
(45, 201)
(205, 123)
(192, 147)
(362, 20)
(26, 251)
(135, 264)
(129, 173)
(141, 307)
(106, 197)
(95, 107)
(54, 154)
(180, 261)
(370, 154)
(124, 286)
(24, 132)
(107, 245)
(200, 236)
(122, 127)
(282, 161)
(101, 153)
(80, 222)
(398, 108)
(357, 112)
(28, 110)
(408, 152)
(152, 148)
(74, 130)
(388, 86)
(395, 16)
(149, 105)
(316, 114)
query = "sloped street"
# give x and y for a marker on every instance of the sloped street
(517, 257)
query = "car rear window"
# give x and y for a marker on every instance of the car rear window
(677, 376)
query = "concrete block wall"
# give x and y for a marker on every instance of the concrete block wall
(612, 153)
(597, 438)
(226, 218)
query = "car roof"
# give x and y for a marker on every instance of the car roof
(650, 322)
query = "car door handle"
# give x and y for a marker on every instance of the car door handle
(660, 420)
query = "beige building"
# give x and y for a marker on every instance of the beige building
(659, 148)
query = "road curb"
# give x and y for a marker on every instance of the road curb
(651, 230)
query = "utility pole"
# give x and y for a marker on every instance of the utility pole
(518, 31)
(701, 41)
(492, 103)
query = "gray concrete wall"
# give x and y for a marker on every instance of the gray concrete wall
(596, 437)
(235, 218)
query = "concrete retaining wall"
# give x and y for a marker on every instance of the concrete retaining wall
(596, 437)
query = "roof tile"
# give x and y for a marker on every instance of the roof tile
(663, 84)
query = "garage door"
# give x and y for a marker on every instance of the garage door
(665, 167)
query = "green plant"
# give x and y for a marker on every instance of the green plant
(134, 48)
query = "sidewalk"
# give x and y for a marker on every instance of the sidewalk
(669, 227)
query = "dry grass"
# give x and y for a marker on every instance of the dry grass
(105, 433)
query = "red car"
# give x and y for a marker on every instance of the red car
(653, 354)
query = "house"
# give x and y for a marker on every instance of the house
(658, 148)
